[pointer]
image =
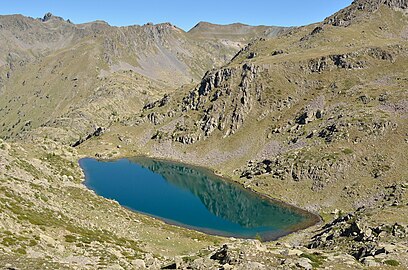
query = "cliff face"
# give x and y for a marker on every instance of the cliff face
(222, 100)
(219, 92)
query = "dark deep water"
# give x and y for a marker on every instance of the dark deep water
(191, 197)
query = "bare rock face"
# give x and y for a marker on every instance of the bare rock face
(215, 94)
(222, 255)
(158, 103)
(47, 17)
(96, 133)
(223, 99)
(402, 4)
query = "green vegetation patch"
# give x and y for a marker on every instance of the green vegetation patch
(70, 238)
(315, 258)
(62, 165)
(28, 167)
(347, 151)
(392, 262)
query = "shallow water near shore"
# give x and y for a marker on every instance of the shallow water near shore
(192, 197)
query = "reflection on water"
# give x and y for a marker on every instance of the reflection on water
(224, 199)
(190, 197)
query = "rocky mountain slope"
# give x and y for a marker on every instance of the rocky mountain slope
(315, 116)
(94, 70)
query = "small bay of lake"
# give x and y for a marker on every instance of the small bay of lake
(192, 197)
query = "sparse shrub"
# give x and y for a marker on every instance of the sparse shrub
(9, 241)
(21, 251)
(70, 238)
(316, 259)
(258, 237)
(347, 151)
(32, 243)
(392, 262)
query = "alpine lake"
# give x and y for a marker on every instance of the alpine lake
(192, 197)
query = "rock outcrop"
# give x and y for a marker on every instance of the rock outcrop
(350, 61)
(96, 133)
(347, 16)
(361, 240)
(222, 107)
(321, 169)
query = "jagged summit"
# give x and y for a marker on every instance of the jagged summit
(165, 26)
(359, 8)
(49, 16)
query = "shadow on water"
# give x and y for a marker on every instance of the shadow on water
(192, 197)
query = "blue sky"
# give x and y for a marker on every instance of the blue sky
(183, 13)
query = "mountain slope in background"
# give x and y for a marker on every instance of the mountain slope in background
(235, 32)
(93, 69)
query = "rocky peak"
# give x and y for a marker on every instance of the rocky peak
(49, 16)
(165, 25)
(158, 31)
(202, 25)
(346, 16)
(402, 4)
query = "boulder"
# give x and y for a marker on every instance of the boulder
(370, 262)
(304, 263)
(252, 55)
(47, 16)
(222, 255)
(139, 264)
(277, 52)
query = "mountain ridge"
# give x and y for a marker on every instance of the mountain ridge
(162, 53)
(347, 15)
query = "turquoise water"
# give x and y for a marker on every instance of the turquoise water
(191, 197)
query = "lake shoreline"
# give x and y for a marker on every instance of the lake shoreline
(311, 219)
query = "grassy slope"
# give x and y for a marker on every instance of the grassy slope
(47, 211)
